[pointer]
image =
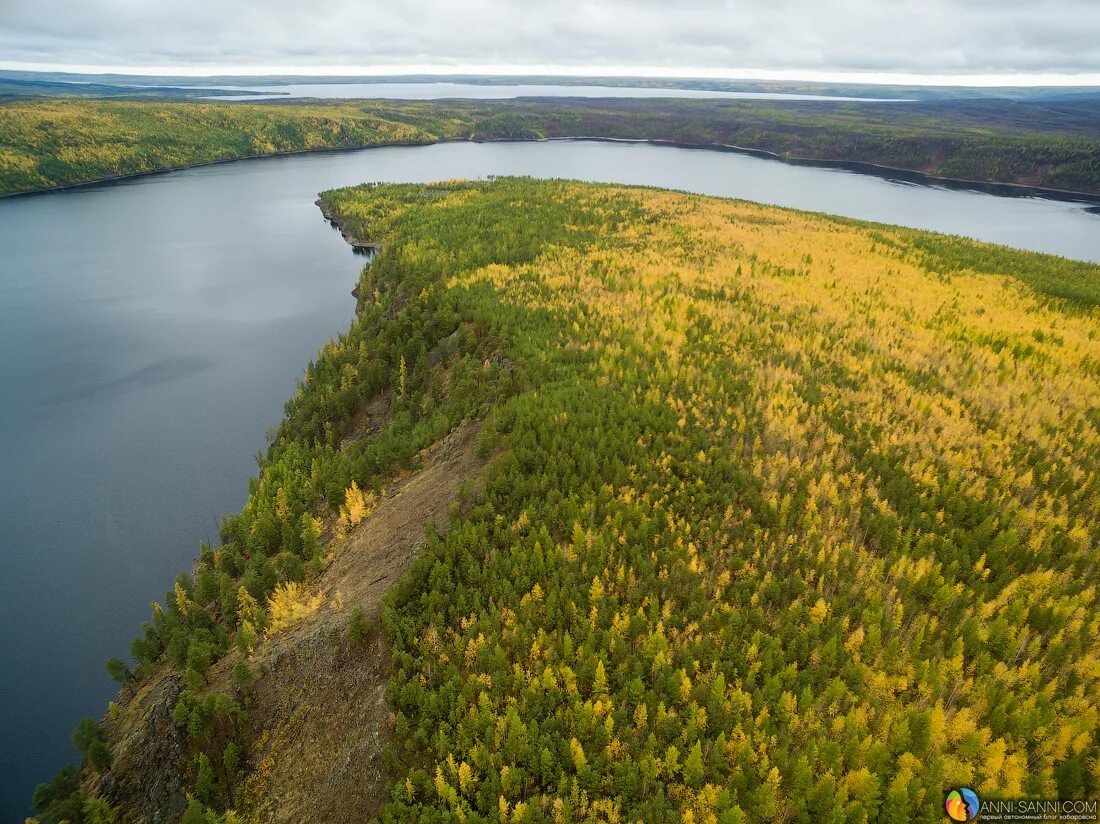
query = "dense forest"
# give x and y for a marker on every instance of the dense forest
(55, 142)
(787, 518)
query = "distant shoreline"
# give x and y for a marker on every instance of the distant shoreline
(860, 167)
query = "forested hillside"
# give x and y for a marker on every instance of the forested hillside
(59, 142)
(56, 142)
(785, 518)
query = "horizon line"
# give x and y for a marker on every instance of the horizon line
(883, 78)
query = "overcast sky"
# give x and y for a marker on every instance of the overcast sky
(816, 39)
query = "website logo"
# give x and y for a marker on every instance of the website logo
(962, 804)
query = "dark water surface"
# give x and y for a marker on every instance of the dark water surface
(151, 330)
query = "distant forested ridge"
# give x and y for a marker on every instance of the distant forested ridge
(783, 518)
(1053, 144)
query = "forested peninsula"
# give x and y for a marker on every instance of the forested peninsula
(55, 142)
(616, 504)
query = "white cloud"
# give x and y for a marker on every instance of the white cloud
(769, 37)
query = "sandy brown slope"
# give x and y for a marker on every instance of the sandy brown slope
(319, 718)
(317, 713)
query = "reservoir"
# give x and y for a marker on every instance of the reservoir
(498, 91)
(150, 331)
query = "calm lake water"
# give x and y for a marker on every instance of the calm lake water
(151, 330)
(478, 91)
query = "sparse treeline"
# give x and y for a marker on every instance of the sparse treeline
(56, 142)
(792, 519)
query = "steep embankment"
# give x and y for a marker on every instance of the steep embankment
(319, 716)
(52, 143)
(315, 720)
(791, 518)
